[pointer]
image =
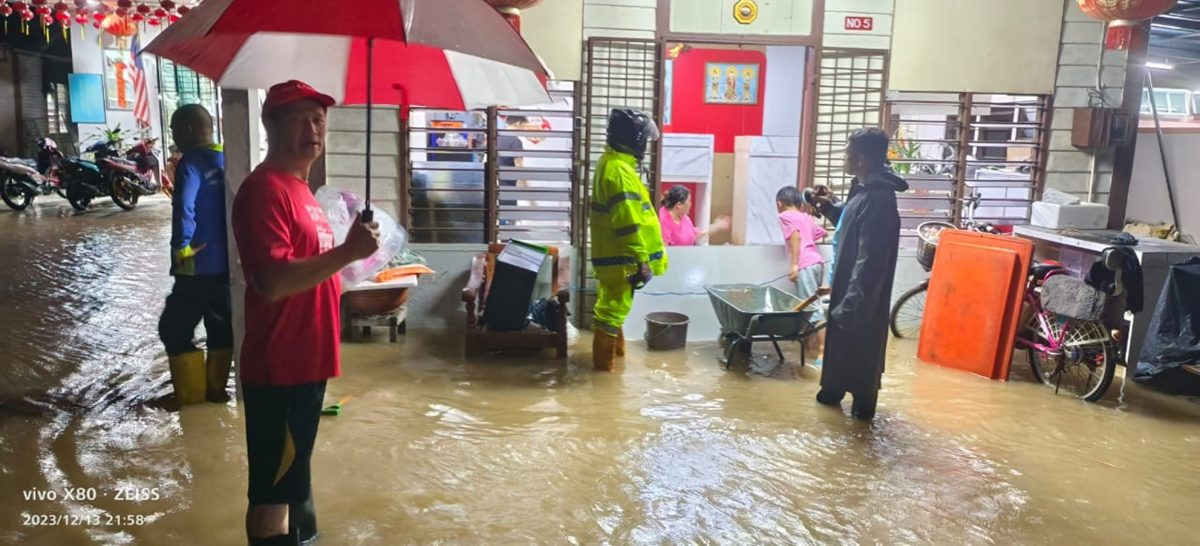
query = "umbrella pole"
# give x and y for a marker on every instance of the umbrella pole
(367, 214)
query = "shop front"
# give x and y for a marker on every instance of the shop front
(738, 90)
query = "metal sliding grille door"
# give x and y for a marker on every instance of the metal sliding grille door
(618, 73)
(444, 187)
(850, 96)
(537, 178)
(487, 176)
(179, 85)
(1004, 139)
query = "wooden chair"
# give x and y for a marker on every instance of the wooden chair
(480, 340)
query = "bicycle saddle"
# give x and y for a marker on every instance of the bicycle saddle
(1041, 269)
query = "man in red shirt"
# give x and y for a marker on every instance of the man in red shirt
(291, 345)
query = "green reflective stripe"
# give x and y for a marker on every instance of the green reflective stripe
(612, 202)
(618, 260)
(626, 231)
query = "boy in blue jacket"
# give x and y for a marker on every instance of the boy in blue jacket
(199, 263)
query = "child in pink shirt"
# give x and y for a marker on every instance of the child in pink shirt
(801, 233)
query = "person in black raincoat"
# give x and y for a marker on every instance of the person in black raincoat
(868, 239)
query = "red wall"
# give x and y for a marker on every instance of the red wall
(690, 114)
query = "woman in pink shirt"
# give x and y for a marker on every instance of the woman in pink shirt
(677, 227)
(801, 233)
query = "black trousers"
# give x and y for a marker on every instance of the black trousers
(192, 299)
(279, 420)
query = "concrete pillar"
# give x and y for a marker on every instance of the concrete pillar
(241, 133)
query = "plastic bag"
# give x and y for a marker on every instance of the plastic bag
(1173, 339)
(340, 208)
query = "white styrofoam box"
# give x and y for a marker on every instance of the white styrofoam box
(1080, 216)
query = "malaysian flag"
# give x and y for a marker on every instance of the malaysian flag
(141, 102)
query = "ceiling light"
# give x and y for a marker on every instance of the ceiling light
(1160, 66)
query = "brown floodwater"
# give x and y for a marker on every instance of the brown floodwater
(516, 450)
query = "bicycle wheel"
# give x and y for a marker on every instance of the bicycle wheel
(908, 312)
(1088, 361)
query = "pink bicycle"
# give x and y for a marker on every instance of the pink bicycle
(1069, 347)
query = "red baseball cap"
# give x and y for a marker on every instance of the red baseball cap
(285, 93)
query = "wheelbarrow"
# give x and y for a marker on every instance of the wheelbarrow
(752, 314)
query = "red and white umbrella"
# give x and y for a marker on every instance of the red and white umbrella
(454, 54)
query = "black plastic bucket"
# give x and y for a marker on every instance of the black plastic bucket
(666, 331)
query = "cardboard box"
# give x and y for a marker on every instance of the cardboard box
(513, 285)
(1079, 216)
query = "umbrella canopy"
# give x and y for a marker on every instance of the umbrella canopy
(458, 54)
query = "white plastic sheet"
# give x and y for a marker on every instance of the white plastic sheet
(341, 207)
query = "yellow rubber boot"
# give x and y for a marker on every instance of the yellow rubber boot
(188, 377)
(604, 350)
(217, 374)
(621, 343)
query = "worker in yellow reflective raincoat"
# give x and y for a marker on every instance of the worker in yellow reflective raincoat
(627, 245)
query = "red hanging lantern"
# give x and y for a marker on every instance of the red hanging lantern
(96, 26)
(143, 9)
(5, 11)
(137, 17)
(43, 11)
(160, 13)
(1122, 16)
(38, 2)
(27, 15)
(154, 21)
(47, 20)
(19, 7)
(125, 4)
(98, 17)
(173, 18)
(167, 5)
(61, 6)
(81, 4)
(63, 17)
(183, 10)
(511, 9)
(81, 18)
(119, 25)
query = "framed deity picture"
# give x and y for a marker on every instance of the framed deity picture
(118, 79)
(731, 83)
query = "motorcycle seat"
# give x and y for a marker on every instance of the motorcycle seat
(20, 161)
(123, 164)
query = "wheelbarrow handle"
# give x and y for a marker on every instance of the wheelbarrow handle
(804, 304)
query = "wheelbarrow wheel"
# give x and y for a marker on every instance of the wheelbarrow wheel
(727, 339)
(738, 352)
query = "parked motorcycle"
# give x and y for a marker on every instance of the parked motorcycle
(21, 180)
(124, 179)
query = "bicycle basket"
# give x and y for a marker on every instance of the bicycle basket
(1071, 297)
(928, 234)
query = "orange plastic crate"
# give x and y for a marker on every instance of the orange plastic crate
(974, 302)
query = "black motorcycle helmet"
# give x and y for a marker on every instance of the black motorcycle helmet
(629, 131)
